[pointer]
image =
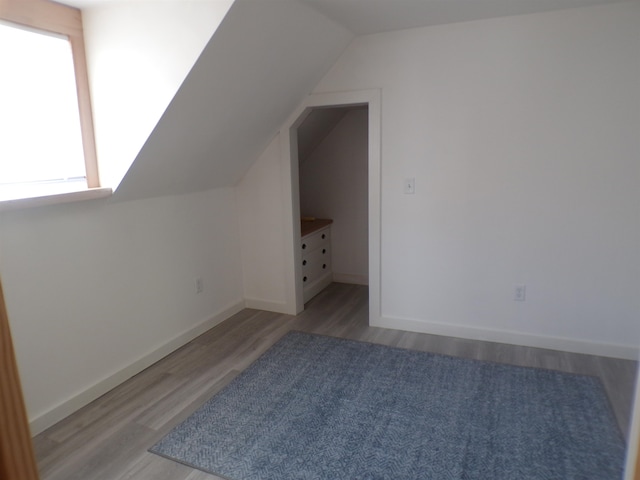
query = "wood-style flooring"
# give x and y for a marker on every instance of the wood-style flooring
(108, 439)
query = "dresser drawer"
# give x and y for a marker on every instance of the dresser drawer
(316, 261)
(315, 265)
(315, 240)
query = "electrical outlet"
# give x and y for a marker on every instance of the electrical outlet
(520, 293)
(409, 186)
(199, 285)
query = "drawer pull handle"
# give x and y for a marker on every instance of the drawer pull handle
(324, 265)
(324, 236)
(304, 262)
(304, 279)
(304, 245)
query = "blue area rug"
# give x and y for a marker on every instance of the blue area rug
(315, 407)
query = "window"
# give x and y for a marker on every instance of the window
(46, 129)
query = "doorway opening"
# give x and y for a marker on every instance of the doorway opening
(333, 197)
(333, 149)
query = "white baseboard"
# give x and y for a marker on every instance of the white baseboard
(350, 278)
(74, 403)
(269, 306)
(628, 352)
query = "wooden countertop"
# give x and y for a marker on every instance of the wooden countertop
(310, 226)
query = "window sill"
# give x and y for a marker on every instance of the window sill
(67, 197)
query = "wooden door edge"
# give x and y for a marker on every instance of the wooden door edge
(17, 458)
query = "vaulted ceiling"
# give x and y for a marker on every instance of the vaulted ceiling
(259, 64)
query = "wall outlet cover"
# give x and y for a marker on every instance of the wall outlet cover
(409, 186)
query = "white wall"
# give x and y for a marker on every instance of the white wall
(261, 229)
(333, 184)
(138, 54)
(96, 291)
(522, 134)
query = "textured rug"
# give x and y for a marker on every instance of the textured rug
(315, 407)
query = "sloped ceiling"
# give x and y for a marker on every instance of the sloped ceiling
(259, 64)
(138, 56)
(315, 127)
(257, 67)
(375, 16)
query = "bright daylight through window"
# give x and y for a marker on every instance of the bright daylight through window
(41, 149)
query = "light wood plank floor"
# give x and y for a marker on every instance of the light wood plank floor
(109, 438)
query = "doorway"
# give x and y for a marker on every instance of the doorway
(333, 187)
(351, 104)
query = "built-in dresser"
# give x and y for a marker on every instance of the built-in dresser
(316, 256)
